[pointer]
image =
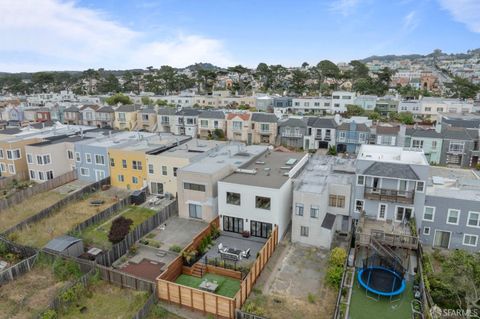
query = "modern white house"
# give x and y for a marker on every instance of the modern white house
(258, 197)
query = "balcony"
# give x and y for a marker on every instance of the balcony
(294, 135)
(389, 195)
(326, 138)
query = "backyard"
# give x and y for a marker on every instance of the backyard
(97, 235)
(13, 187)
(60, 222)
(227, 287)
(103, 300)
(29, 207)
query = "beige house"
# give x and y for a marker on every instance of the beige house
(209, 121)
(166, 119)
(71, 115)
(264, 128)
(147, 119)
(126, 117)
(197, 183)
(162, 167)
(238, 127)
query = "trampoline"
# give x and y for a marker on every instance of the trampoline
(381, 281)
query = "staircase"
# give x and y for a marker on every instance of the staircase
(199, 269)
(386, 251)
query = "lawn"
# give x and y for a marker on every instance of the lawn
(29, 294)
(64, 219)
(104, 300)
(97, 235)
(227, 287)
(159, 312)
(17, 213)
(363, 307)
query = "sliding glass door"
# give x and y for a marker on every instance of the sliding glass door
(233, 224)
(259, 229)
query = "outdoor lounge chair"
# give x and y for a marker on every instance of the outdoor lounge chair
(246, 253)
(220, 248)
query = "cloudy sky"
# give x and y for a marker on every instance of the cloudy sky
(119, 34)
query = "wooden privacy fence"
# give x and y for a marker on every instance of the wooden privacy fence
(147, 307)
(206, 231)
(20, 196)
(52, 209)
(20, 176)
(17, 270)
(118, 250)
(245, 315)
(207, 302)
(24, 251)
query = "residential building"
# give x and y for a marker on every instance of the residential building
(264, 103)
(147, 119)
(166, 119)
(291, 132)
(351, 136)
(428, 140)
(322, 200)
(186, 122)
(88, 114)
(209, 121)
(460, 147)
(126, 117)
(264, 128)
(386, 105)
(319, 105)
(340, 100)
(258, 196)
(104, 117)
(197, 183)
(238, 127)
(387, 134)
(321, 133)
(162, 167)
(42, 114)
(72, 116)
(366, 102)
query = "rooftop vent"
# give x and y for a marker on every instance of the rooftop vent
(260, 162)
(285, 167)
(291, 161)
(246, 171)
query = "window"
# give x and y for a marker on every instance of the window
(299, 209)
(341, 135)
(112, 162)
(150, 168)
(204, 123)
(77, 156)
(426, 231)
(360, 180)
(420, 187)
(473, 219)
(120, 178)
(41, 176)
(455, 147)
(137, 165)
(359, 205)
(124, 163)
(32, 174)
(134, 180)
(417, 143)
(194, 187)
(336, 201)
(11, 168)
(1, 153)
(195, 211)
(49, 175)
(99, 159)
(164, 170)
(29, 159)
(434, 145)
(156, 188)
(39, 160)
(303, 231)
(470, 240)
(69, 154)
(264, 127)
(453, 216)
(175, 171)
(429, 213)
(237, 125)
(382, 212)
(314, 210)
(88, 158)
(233, 198)
(262, 202)
(2, 167)
(13, 154)
(83, 171)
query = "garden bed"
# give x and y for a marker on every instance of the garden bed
(61, 221)
(227, 286)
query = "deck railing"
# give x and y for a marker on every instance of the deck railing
(389, 195)
(390, 239)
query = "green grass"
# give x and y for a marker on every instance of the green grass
(97, 234)
(363, 307)
(107, 301)
(227, 287)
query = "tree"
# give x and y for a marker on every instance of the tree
(299, 78)
(109, 84)
(118, 98)
(404, 117)
(360, 70)
(162, 103)
(146, 100)
(463, 88)
(119, 229)
(354, 110)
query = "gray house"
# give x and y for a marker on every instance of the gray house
(291, 132)
(321, 133)
(460, 147)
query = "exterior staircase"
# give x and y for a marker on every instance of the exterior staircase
(386, 251)
(199, 269)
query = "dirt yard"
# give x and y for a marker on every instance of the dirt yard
(39, 234)
(29, 294)
(292, 285)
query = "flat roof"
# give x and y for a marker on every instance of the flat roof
(391, 154)
(271, 170)
(322, 170)
(454, 183)
(232, 154)
(57, 129)
(150, 142)
(193, 148)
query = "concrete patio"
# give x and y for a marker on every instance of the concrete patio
(178, 231)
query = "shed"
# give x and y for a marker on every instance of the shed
(67, 245)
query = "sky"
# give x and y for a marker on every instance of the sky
(41, 35)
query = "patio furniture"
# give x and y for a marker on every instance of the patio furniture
(231, 254)
(246, 253)
(221, 248)
(208, 286)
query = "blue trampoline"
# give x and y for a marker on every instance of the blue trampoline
(381, 281)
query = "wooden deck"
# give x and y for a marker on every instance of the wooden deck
(386, 232)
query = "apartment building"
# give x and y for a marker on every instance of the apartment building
(197, 183)
(126, 117)
(340, 100)
(291, 132)
(263, 128)
(209, 121)
(238, 127)
(258, 196)
(386, 105)
(387, 134)
(460, 147)
(162, 167)
(321, 133)
(322, 200)
(319, 105)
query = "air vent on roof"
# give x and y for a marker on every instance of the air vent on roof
(291, 161)
(260, 162)
(286, 174)
(285, 167)
(246, 171)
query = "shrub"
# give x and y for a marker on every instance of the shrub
(214, 232)
(159, 312)
(175, 248)
(49, 314)
(119, 229)
(189, 256)
(64, 270)
(332, 150)
(334, 276)
(311, 298)
(3, 248)
(254, 309)
(337, 257)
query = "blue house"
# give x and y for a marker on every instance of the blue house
(350, 136)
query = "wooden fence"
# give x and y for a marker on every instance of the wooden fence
(118, 250)
(20, 176)
(52, 209)
(245, 315)
(206, 231)
(17, 270)
(147, 307)
(20, 196)
(207, 302)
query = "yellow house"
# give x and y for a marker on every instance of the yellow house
(128, 162)
(13, 160)
(162, 167)
(126, 117)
